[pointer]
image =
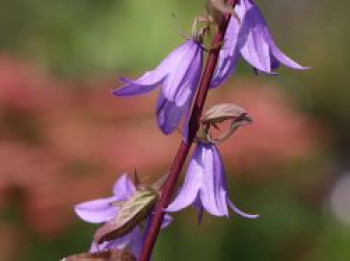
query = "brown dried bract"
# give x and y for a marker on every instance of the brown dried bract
(222, 112)
(218, 114)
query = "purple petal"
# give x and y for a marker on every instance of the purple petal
(213, 191)
(166, 221)
(123, 188)
(240, 212)
(190, 189)
(281, 57)
(97, 211)
(144, 84)
(253, 46)
(149, 80)
(132, 240)
(228, 56)
(185, 126)
(168, 114)
(136, 241)
(184, 73)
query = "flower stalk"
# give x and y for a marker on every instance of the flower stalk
(194, 122)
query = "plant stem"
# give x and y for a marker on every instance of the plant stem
(170, 183)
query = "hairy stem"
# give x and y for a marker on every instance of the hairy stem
(170, 183)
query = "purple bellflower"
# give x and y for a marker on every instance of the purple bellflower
(178, 75)
(105, 209)
(249, 37)
(205, 185)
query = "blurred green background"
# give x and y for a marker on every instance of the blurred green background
(58, 58)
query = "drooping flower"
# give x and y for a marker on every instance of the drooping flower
(106, 209)
(178, 75)
(205, 185)
(249, 37)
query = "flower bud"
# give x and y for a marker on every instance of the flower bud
(222, 112)
(218, 114)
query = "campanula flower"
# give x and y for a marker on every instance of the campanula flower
(205, 185)
(178, 75)
(105, 209)
(249, 37)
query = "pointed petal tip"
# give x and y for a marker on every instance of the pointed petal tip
(296, 66)
(123, 188)
(165, 129)
(142, 85)
(240, 212)
(251, 216)
(275, 73)
(282, 59)
(115, 92)
(118, 91)
(124, 80)
(304, 68)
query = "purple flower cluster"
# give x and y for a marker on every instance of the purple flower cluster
(178, 77)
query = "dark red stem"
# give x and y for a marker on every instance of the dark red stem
(170, 183)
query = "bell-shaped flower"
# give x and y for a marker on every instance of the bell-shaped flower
(249, 37)
(205, 185)
(106, 209)
(178, 75)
